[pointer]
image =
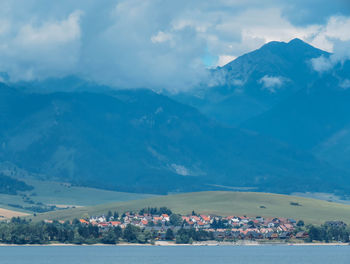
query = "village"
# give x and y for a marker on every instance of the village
(220, 227)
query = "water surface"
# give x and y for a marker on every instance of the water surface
(177, 254)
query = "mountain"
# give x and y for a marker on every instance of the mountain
(140, 141)
(310, 115)
(316, 119)
(254, 82)
(274, 91)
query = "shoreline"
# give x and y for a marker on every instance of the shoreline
(173, 244)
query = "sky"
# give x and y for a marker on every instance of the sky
(158, 44)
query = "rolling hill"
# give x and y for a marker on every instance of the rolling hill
(62, 195)
(223, 203)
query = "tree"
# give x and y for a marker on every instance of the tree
(175, 220)
(169, 235)
(130, 233)
(109, 215)
(118, 232)
(109, 237)
(182, 239)
(165, 210)
(115, 215)
(300, 223)
(315, 233)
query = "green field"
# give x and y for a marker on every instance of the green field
(62, 194)
(224, 203)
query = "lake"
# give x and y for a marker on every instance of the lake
(176, 254)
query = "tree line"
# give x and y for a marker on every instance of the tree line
(328, 233)
(20, 231)
(11, 186)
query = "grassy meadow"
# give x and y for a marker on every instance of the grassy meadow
(223, 203)
(63, 195)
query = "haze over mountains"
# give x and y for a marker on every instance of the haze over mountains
(266, 121)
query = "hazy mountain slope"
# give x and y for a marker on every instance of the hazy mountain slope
(276, 92)
(312, 115)
(140, 141)
(256, 81)
(336, 149)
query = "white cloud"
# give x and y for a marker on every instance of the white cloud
(55, 32)
(271, 83)
(180, 169)
(161, 37)
(340, 55)
(337, 28)
(345, 84)
(224, 59)
(157, 44)
(51, 48)
(322, 64)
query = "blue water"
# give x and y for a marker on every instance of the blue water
(179, 254)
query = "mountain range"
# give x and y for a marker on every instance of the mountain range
(266, 121)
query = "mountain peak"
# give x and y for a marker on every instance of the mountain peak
(294, 43)
(297, 41)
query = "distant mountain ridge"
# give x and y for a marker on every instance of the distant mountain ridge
(140, 141)
(256, 81)
(276, 92)
(270, 123)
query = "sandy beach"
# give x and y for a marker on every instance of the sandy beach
(204, 243)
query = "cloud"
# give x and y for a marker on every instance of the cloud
(50, 48)
(336, 29)
(339, 56)
(224, 59)
(301, 12)
(56, 32)
(158, 44)
(345, 84)
(322, 64)
(161, 37)
(271, 83)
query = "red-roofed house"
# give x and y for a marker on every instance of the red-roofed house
(115, 223)
(83, 221)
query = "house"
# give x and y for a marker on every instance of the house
(271, 225)
(234, 220)
(302, 235)
(268, 235)
(115, 223)
(195, 218)
(292, 221)
(253, 234)
(143, 222)
(260, 219)
(157, 219)
(274, 236)
(205, 218)
(284, 235)
(83, 221)
(165, 217)
(219, 234)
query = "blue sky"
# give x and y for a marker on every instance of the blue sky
(153, 43)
